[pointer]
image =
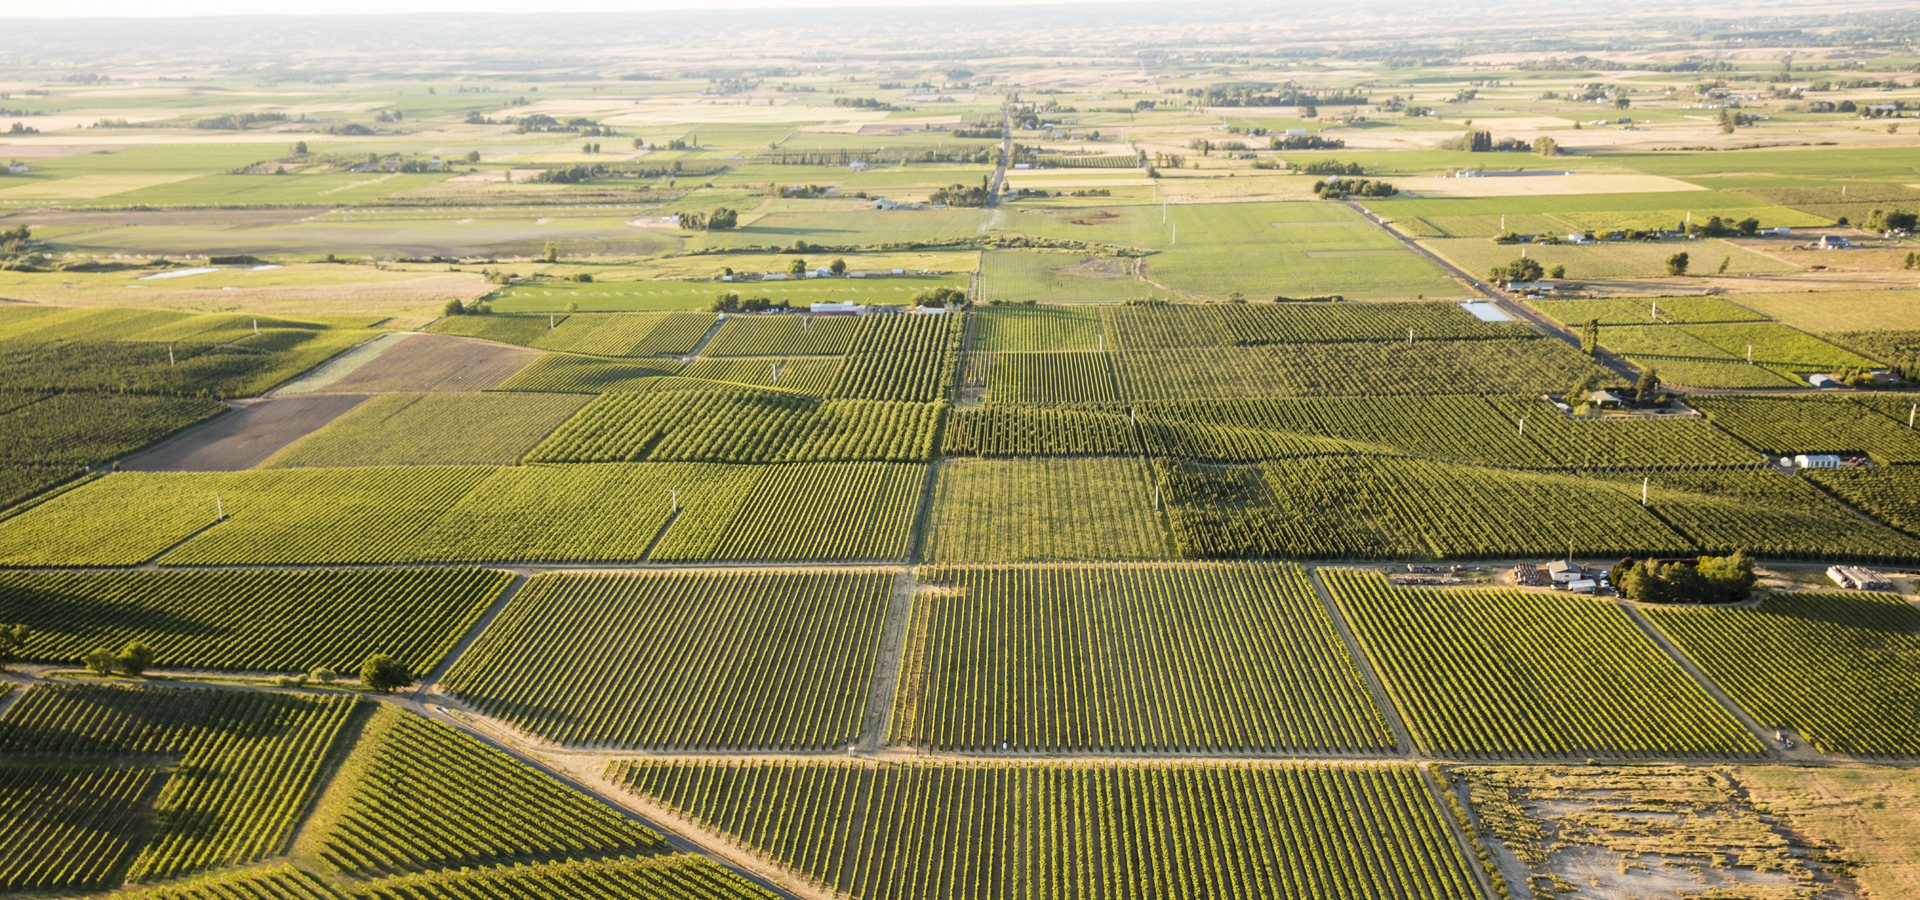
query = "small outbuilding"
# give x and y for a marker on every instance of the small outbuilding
(1562, 572)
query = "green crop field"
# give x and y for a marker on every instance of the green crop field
(1026, 431)
(247, 762)
(893, 830)
(1240, 659)
(417, 794)
(1612, 259)
(1889, 494)
(71, 430)
(1505, 673)
(1036, 328)
(748, 660)
(1185, 546)
(1263, 250)
(286, 621)
(455, 514)
(433, 429)
(1789, 426)
(1040, 378)
(1043, 510)
(1357, 507)
(1018, 276)
(783, 336)
(1349, 369)
(1841, 667)
(71, 828)
(741, 426)
(1766, 513)
(1836, 311)
(629, 878)
(1574, 313)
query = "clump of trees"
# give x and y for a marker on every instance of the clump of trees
(1677, 264)
(384, 674)
(1709, 579)
(1893, 220)
(960, 195)
(939, 298)
(1337, 188)
(1521, 269)
(1330, 167)
(720, 219)
(731, 302)
(1304, 142)
(1478, 141)
(133, 660)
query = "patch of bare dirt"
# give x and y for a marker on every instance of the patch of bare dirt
(436, 362)
(244, 438)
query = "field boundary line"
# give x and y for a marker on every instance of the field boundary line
(1462, 838)
(877, 721)
(152, 563)
(610, 796)
(467, 640)
(1388, 708)
(1699, 676)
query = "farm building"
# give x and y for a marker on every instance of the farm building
(838, 309)
(1605, 399)
(1562, 572)
(1822, 381)
(1855, 578)
(1817, 461)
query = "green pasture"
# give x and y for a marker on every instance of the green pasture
(1265, 250)
(851, 227)
(343, 234)
(1879, 163)
(337, 189)
(1613, 259)
(1698, 202)
(1574, 313)
(1837, 311)
(628, 296)
(1017, 275)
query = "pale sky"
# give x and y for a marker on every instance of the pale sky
(67, 9)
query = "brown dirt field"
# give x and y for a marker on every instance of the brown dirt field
(436, 362)
(244, 438)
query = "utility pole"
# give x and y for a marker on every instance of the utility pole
(1643, 490)
(549, 321)
(1569, 551)
(1409, 337)
(676, 500)
(1102, 338)
(256, 324)
(1749, 354)
(1523, 426)
(1156, 496)
(219, 508)
(1656, 310)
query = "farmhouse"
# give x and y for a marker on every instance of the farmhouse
(1605, 399)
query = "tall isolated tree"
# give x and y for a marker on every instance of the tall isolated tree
(385, 674)
(551, 253)
(134, 659)
(13, 639)
(1590, 337)
(1677, 263)
(1648, 385)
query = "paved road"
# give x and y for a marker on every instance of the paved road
(1006, 154)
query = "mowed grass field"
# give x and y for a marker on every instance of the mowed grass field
(1564, 213)
(642, 296)
(1837, 311)
(1622, 259)
(1019, 275)
(433, 429)
(1264, 250)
